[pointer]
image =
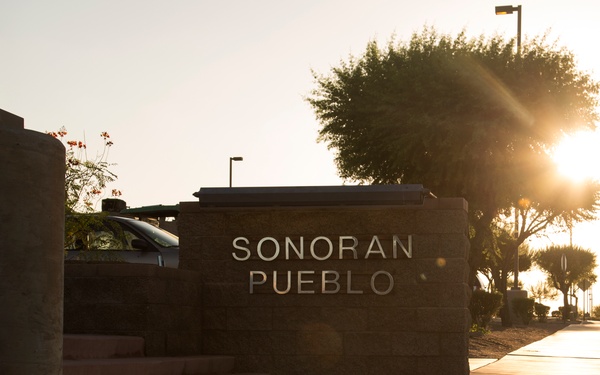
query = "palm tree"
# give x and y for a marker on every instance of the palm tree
(542, 290)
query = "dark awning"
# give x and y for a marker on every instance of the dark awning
(158, 210)
(313, 195)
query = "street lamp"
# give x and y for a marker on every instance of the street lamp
(509, 9)
(501, 10)
(231, 160)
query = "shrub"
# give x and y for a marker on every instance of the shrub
(571, 310)
(476, 331)
(596, 312)
(483, 306)
(541, 311)
(523, 308)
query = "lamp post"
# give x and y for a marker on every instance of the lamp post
(501, 10)
(509, 9)
(231, 160)
(563, 267)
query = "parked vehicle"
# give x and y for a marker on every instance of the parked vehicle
(119, 239)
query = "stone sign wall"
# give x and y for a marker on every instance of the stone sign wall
(333, 289)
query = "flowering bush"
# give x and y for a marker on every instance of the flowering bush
(85, 178)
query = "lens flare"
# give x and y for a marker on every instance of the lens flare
(578, 156)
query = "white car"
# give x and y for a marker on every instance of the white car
(119, 239)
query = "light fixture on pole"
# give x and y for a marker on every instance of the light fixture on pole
(501, 10)
(231, 160)
(509, 9)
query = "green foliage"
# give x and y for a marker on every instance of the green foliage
(464, 117)
(596, 312)
(89, 234)
(581, 264)
(541, 311)
(477, 329)
(523, 308)
(483, 306)
(499, 257)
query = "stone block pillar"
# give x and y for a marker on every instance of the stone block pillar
(32, 193)
(513, 294)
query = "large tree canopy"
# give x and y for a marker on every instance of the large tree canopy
(464, 117)
(470, 118)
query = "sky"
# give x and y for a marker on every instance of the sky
(181, 86)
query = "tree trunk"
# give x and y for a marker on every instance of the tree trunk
(566, 307)
(482, 232)
(505, 310)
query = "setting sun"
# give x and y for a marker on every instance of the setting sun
(578, 155)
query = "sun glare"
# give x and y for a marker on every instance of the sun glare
(578, 156)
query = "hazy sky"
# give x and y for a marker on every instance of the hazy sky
(183, 85)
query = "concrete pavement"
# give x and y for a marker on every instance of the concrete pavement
(572, 350)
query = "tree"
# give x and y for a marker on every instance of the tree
(500, 259)
(464, 117)
(580, 265)
(499, 262)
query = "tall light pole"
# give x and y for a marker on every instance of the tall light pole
(231, 160)
(509, 9)
(501, 10)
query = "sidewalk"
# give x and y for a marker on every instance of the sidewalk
(572, 350)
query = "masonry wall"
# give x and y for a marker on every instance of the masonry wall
(32, 215)
(160, 304)
(419, 326)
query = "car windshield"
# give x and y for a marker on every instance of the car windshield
(158, 235)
